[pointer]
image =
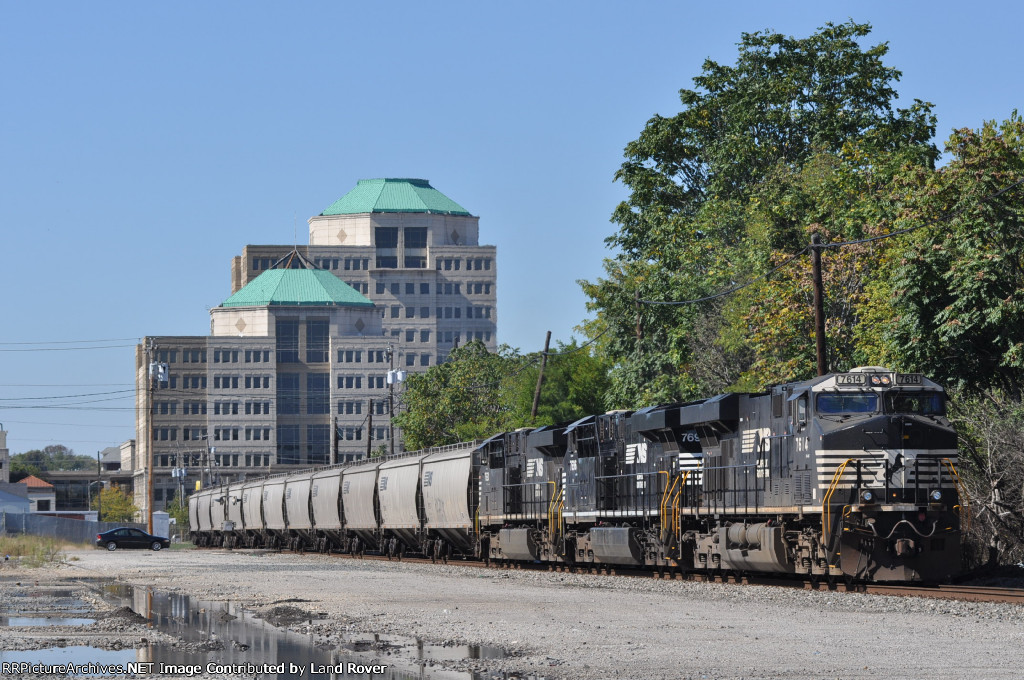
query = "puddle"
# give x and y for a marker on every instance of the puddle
(13, 621)
(222, 639)
(225, 634)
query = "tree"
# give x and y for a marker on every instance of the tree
(177, 509)
(956, 293)
(738, 150)
(54, 457)
(991, 432)
(476, 393)
(575, 383)
(470, 396)
(117, 505)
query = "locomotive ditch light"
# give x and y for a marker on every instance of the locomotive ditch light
(935, 495)
(867, 496)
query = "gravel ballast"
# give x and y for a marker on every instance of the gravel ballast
(557, 625)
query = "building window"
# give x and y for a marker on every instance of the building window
(386, 237)
(381, 288)
(424, 360)
(349, 408)
(410, 359)
(288, 444)
(318, 444)
(348, 382)
(288, 393)
(415, 237)
(317, 341)
(424, 336)
(375, 381)
(410, 312)
(410, 336)
(410, 288)
(318, 393)
(287, 341)
(396, 310)
(350, 356)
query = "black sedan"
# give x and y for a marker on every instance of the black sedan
(130, 538)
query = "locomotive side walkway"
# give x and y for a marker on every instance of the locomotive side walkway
(560, 625)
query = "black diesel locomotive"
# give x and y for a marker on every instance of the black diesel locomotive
(849, 475)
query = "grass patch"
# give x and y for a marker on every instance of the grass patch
(33, 551)
(182, 546)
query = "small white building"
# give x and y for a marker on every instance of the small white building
(42, 496)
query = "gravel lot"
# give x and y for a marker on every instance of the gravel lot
(570, 626)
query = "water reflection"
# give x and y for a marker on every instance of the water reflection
(44, 621)
(223, 633)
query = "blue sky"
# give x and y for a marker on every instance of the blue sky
(143, 144)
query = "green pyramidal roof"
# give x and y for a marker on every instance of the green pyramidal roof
(297, 288)
(394, 195)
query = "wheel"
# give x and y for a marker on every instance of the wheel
(111, 546)
(156, 546)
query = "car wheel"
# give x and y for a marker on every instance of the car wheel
(156, 545)
(112, 546)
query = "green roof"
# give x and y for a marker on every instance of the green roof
(297, 288)
(394, 195)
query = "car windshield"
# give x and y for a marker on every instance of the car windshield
(846, 402)
(916, 403)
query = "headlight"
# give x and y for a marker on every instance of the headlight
(867, 496)
(936, 495)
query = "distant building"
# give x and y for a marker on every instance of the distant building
(296, 370)
(14, 498)
(5, 459)
(42, 497)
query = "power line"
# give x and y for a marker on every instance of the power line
(61, 349)
(67, 342)
(728, 291)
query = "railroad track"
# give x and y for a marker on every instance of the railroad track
(946, 592)
(953, 592)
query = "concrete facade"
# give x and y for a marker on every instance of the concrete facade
(263, 394)
(5, 459)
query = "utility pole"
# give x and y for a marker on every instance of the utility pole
(369, 431)
(334, 442)
(639, 327)
(152, 374)
(99, 494)
(540, 377)
(819, 304)
(391, 400)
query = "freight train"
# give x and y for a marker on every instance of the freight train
(846, 476)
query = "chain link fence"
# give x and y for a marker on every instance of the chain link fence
(72, 530)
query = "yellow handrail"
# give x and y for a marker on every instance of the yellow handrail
(965, 506)
(826, 510)
(665, 493)
(676, 510)
(551, 502)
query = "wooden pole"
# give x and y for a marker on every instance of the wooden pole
(819, 304)
(369, 431)
(540, 377)
(149, 434)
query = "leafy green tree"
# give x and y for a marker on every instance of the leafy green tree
(54, 457)
(470, 396)
(177, 509)
(476, 393)
(574, 385)
(716, 195)
(957, 287)
(117, 505)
